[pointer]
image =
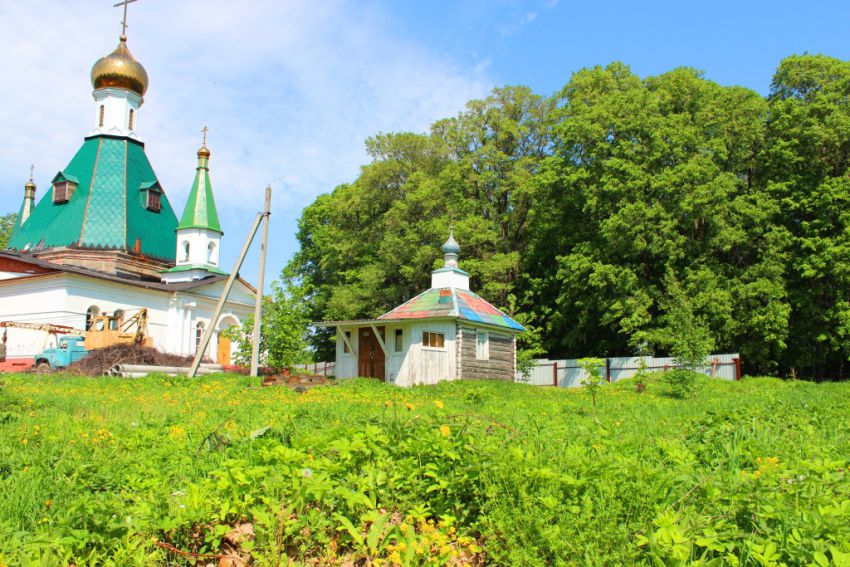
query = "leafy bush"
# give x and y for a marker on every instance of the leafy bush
(682, 381)
(593, 381)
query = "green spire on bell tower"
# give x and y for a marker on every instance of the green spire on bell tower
(200, 209)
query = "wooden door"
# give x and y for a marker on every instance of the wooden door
(223, 350)
(371, 359)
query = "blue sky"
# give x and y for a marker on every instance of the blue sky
(290, 89)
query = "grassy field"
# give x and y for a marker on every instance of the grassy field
(150, 471)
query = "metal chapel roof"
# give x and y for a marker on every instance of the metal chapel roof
(454, 303)
(108, 209)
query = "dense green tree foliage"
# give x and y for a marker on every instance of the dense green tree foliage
(7, 223)
(668, 213)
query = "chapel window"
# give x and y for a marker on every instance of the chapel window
(433, 340)
(211, 259)
(482, 345)
(132, 118)
(185, 251)
(346, 341)
(399, 340)
(100, 117)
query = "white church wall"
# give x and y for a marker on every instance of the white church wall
(65, 298)
(114, 118)
(198, 241)
(34, 300)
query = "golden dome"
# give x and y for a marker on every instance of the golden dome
(204, 152)
(120, 70)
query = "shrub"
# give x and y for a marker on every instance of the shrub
(593, 381)
(683, 382)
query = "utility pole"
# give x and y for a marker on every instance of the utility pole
(258, 306)
(205, 340)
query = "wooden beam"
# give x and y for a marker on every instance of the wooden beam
(380, 340)
(208, 333)
(341, 331)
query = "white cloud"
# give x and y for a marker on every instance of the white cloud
(289, 90)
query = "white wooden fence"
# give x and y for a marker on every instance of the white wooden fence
(322, 368)
(566, 373)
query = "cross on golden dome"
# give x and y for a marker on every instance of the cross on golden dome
(124, 21)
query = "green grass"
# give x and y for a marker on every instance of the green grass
(101, 471)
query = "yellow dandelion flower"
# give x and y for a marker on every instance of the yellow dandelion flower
(445, 431)
(439, 404)
(25, 441)
(409, 406)
(388, 403)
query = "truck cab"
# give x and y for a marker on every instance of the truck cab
(70, 349)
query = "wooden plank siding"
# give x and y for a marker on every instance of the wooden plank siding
(499, 365)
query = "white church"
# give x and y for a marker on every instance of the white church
(104, 238)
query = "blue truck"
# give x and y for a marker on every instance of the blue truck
(69, 350)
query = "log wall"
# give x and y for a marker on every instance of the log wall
(499, 365)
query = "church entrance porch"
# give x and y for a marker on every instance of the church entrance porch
(371, 358)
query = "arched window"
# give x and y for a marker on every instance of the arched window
(132, 117)
(185, 251)
(91, 313)
(117, 320)
(100, 119)
(211, 253)
(199, 335)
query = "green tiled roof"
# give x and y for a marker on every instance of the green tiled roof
(200, 209)
(107, 209)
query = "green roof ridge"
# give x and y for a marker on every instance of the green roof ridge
(200, 209)
(190, 267)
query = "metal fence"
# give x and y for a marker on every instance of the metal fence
(566, 373)
(321, 368)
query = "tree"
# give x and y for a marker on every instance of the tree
(283, 336)
(7, 223)
(648, 178)
(806, 169)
